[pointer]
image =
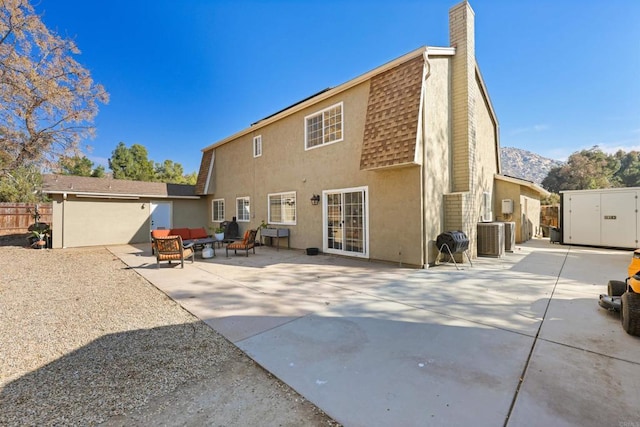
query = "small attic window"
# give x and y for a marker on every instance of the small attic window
(257, 146)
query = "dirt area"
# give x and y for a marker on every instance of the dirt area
(84, 340)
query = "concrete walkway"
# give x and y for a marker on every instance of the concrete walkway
(516, 341)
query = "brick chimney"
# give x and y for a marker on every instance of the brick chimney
(462, 37)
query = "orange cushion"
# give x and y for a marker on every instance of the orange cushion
(245, 239)
(182, 232)
(160, 233)
(198, 233)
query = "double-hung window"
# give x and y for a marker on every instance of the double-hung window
(324, 127)
(282, 208)
(243, 210)
(217, 210)
(257, 146)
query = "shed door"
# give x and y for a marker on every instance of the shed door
(618, 219)
(584, 219)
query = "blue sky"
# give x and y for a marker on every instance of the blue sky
(562, 75)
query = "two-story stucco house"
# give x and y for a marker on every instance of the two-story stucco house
(397, 156)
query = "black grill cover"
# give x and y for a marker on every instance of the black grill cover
(457, 241)
(231, 229)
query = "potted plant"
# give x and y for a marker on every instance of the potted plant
(39, 238)
(219, 233)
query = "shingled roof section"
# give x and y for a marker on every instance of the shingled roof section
(391, 126)
(201, 183)
(109, 187)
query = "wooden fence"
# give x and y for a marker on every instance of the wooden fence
(15, 218)
(549, 215)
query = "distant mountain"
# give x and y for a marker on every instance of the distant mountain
(525, 164)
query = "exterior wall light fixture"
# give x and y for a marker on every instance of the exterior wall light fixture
(315, 199)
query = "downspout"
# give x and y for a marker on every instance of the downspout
(64, 201)
(423, 109)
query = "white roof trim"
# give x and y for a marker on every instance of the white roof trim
(440, 51)
(336, 90)
(87, 194)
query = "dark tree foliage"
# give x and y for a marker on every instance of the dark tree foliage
(593, 169)
(133, 164)
(80, 166)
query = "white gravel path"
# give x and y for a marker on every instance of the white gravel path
(84, 340)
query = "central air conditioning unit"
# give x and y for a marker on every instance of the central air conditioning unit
(509, 236)
(491, 239)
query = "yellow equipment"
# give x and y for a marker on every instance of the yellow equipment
(625, 297)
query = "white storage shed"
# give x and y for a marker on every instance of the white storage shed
(604, 217)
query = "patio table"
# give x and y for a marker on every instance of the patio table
(202, 242)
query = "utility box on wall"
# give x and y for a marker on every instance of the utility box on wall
(606, 217)
(507, 206)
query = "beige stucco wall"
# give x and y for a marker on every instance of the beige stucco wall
(285, 165)
(102, 222)
(94, 222)
(526, 208)
(437, 162)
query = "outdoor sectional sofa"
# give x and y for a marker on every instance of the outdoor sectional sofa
(187, 234)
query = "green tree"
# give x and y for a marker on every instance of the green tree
(629, 173)
(169, 172)
(21, 185)
(76, 165)
(587, 169)
(131, 163)
(98, 172)
(47, 99)
(80, 166)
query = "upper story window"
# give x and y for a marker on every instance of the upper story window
(282, 208)
(257, 146)
(324, 127)
(217, 210)
(243, 211)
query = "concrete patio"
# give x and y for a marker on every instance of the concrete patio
(516, 341)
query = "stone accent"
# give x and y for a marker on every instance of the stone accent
(204, 170)
(461, 34)
(391, 126)
(459, 214)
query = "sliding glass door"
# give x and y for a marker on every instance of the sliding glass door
(345, 222)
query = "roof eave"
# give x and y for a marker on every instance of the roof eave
(524, 183)
(133, 196)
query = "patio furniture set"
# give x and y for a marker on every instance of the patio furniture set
(179, 244)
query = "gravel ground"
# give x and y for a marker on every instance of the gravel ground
(84, 340)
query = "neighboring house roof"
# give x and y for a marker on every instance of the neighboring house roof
(109, 188)
(530, 184)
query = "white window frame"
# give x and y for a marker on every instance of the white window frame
(257, 146)
(486, 213)
(283, 203)
(325, 125)
(214, 217)
(242, 218)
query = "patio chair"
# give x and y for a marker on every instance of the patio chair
(158, 232)
(170, 248)
(248, 242)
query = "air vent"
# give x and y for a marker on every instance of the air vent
(491, 239)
